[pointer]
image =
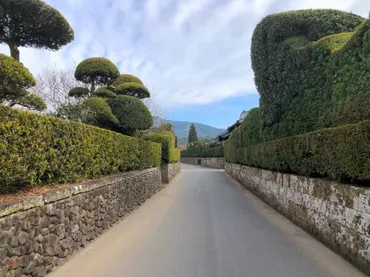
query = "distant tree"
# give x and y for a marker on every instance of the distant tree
(193, 137)
(132, 114)
(126, 78)
(96, 71)
(32, 23)
(15, 79)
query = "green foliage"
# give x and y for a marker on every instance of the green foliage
(133, 89)
(301, 60)
(32, 23)
(96, 71)
(100, 113)
(79, 92)
(131, 113)
(32, 102)
(198, 149)
(170, 154)
(192, 134)
(340, 153)
(104, 92)
(14, 79)
(126, 78)
(75, 112)
(41, 150)
(312, 71)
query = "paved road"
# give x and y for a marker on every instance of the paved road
(205, 225)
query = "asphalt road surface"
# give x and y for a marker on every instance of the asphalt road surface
(205, 225)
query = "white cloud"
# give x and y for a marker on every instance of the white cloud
(194, 51)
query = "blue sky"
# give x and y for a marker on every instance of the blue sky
(194, 55)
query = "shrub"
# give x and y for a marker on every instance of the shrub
(126, 78)
(96, 71)
(41, 150)
(340, 153)
(131, 113)
(100, 113)
(32, 102)
(133, 89)
(170, 154)
(79, 92)
(104, 92)
(14, 79)
(309, 66)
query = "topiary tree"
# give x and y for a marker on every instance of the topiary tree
(15, 79)
(99, 113)
(131, 113)
(133, 89)
(193, 137)
(32, 23)
(79, 92)
(32, 102)
(126, 78)
(104, 92)
(96, 71)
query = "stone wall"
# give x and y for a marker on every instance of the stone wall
(337, 214)
(39, 233)
(208, 162)
(169, 171)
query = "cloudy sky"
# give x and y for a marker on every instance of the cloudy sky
(193, 55)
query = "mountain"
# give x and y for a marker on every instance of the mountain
(182, 129)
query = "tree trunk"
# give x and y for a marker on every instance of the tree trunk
(92, 87)
(14, 51)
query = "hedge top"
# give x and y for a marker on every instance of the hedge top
(311, 68)
(311, 24)
(98, 70)
(127, 78)
(34, 23)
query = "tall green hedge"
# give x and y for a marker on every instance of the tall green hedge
(341, 153)
(170, 154)
(197, 149)
(40, 150)
(312, 71)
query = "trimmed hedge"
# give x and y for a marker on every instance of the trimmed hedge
(198, 150)
(170, 154)
(312, 71)
(341, 153)
(40, 150)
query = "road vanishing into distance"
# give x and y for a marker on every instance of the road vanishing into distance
(205, 225)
